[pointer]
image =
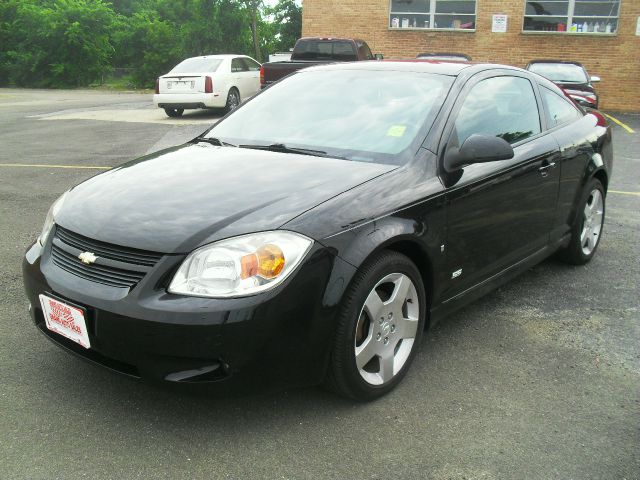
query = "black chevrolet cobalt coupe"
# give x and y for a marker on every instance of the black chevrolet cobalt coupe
(313, 234)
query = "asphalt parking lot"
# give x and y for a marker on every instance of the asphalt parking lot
(538, 380)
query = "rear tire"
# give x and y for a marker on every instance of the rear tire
(379, 328)
(174, 112)
(587, 229)
(233, 100)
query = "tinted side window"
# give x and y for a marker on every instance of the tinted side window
(324, 50)
(251, 65)
(560, 109)
(343, 49)
(502, 106)
(237, 65)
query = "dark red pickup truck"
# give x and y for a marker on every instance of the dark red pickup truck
(315, 51)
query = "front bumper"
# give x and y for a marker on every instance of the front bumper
(189, 100)
(281, 337)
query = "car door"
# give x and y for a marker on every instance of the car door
(498, 213)
(238, 74)
(574, 134)
(252, 76)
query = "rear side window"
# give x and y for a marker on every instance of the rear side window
(559, 108)
(365, 51)
(251, 65)
(237, 65)
(502, 106)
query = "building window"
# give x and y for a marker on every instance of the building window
(430, 14)
(572, 16)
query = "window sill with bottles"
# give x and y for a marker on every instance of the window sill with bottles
(572, 17)
(431, 29)
(572, 34)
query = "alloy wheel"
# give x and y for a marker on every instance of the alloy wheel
(234, 100)
(386, 328)
(593, 216)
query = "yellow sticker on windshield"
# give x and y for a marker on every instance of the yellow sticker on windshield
(396, 131)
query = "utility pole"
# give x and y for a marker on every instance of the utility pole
(253, 6)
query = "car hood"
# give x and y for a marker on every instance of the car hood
(180, 198)
(583, 87)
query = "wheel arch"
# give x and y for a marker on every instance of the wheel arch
(602, 176)
(595, 169)
(398, 235)
(412, 250)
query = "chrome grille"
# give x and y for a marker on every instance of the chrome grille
(106, 250)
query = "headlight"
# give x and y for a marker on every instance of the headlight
(51, 218)
(240, 266)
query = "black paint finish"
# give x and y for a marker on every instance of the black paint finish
(489, 220)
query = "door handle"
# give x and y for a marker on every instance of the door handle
(546, 166)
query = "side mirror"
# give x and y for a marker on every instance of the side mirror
(477, 149)
(595, 78)
(379, 56)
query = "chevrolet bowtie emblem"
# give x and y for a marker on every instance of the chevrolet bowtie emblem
(87, 257)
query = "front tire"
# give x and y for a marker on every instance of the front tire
(174, 112)
(587, 229)
(379, 328)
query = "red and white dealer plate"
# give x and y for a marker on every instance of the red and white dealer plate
(65, 320)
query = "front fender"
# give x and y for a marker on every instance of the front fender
(418, 232)
(355, 246)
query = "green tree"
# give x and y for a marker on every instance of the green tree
(147, 44)
(8, 15)
(63, 42)
(49, 43)
(286, 18)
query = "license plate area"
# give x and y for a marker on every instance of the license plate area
(181, 85)
(65, 319)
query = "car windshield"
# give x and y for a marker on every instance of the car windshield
(369, 116)
(197, 64)
(560, 72)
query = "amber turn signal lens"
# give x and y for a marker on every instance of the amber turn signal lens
(267, 262)
(270, 261)
(248, 266)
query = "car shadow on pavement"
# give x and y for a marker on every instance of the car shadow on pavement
(209, 113)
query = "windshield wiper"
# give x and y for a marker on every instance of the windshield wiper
(214, 141)
(282, 148)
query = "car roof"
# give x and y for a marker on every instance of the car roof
(219, 56)
(332, 38)
(438, 67)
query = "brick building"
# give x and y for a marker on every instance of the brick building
(603, 35)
